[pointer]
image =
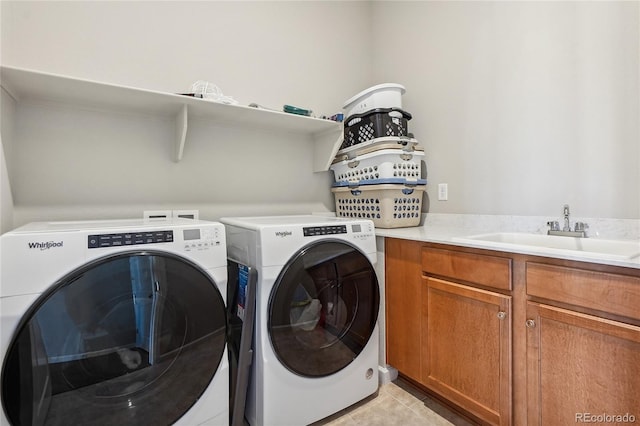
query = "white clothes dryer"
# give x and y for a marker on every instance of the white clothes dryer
(317, 302)
(119, 322)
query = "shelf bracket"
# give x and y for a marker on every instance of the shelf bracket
(181, 133)
(325, 147)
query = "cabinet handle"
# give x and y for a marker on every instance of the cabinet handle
(502, 315)
(530, 323)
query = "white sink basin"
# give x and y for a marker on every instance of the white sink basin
(585, 247)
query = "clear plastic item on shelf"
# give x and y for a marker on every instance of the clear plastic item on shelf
(206, 90)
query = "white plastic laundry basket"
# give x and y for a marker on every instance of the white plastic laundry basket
(405, 142)
(383, 164)
(388, 205)
(387, 95)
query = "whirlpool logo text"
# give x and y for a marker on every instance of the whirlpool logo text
(283, 234)
(46, 245)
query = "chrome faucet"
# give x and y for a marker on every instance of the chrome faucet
(579, 231)
(565, 212)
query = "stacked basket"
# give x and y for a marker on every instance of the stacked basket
(378, 169)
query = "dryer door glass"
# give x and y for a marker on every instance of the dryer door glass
(134, 338)
(323, 308)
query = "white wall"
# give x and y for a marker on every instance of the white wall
(521, 106)
(7, 119)
(308, 53)
(117, 165)
(6, 198)
(72, 163)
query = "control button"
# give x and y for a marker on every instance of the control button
(104, 240)
(93, 241)
(116, 240)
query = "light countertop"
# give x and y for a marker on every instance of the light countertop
(452, 229)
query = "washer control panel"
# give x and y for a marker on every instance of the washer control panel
(129, 239)
(362, 231)
(201, 239)
(313, 231)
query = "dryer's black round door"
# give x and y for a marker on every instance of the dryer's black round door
(323, 308)
(134, 338)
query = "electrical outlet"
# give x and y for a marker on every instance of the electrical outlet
(156, 214)
(185, 214)
(443, 192)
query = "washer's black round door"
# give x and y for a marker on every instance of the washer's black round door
(323, 308)
(134, 338)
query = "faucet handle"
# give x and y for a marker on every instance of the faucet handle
(581, 226)
(553, 225)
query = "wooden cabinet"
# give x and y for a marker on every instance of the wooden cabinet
(607, 293)
(466, 347)
(513, 338)
(479, 269)
(403, 280)
(579, 364)
(446, 334)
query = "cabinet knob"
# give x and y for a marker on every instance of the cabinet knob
(530, 323)
(502, 315)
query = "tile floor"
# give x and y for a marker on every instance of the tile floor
(396, 403)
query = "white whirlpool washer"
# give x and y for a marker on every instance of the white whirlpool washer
(317, 302)
(114, 322)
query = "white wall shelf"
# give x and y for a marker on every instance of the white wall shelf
(27, 85)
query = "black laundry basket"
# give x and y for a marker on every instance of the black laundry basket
(380, 122)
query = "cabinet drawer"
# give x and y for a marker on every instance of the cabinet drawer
(491, 271)
(612, 293)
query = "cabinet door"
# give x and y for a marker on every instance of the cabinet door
(466, 347)
(403, 280)
(580, 367)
